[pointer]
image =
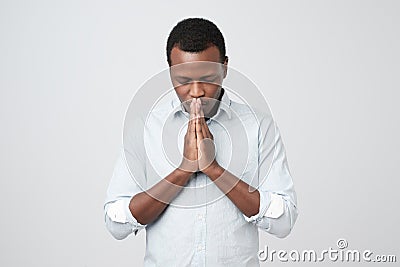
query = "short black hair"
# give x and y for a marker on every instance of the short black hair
(195, 35)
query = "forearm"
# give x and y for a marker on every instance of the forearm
(245, 197)
(148, 205)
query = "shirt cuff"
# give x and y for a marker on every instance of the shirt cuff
(119, 212)
(271, 206)
(276, 208)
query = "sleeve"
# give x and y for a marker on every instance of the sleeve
(118, 219)
(278, 202)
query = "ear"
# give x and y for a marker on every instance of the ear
(225, 66)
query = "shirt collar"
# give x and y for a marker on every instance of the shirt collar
(225, 105)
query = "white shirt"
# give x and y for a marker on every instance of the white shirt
(202, 226)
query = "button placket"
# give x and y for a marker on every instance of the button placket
(200, 223)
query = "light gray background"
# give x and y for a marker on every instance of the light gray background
(329, 69)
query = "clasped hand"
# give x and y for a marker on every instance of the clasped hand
(199, 148)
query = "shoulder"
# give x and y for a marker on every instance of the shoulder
(245, 111)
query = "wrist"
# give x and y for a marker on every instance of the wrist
(182, 173)
(214, 170)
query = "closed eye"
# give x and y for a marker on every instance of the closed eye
(208, 78)
(182, 80)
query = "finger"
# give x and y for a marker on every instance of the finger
(197, 105)
(199, 131)
(207, 131)
(201, 111)
(192, 126)
(201, 118)
(204, 126)
(193, 108)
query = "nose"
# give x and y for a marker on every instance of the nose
(196, 90)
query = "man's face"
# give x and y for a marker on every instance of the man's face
(198, 75)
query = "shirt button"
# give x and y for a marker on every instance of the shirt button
(199, 248)
(200, 216)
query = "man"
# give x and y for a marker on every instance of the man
(203, 212)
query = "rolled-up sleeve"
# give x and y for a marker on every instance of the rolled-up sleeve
(278, 202)
(117, 216)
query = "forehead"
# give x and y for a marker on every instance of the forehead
(196, 70)
(179, 56)
(195, 65)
